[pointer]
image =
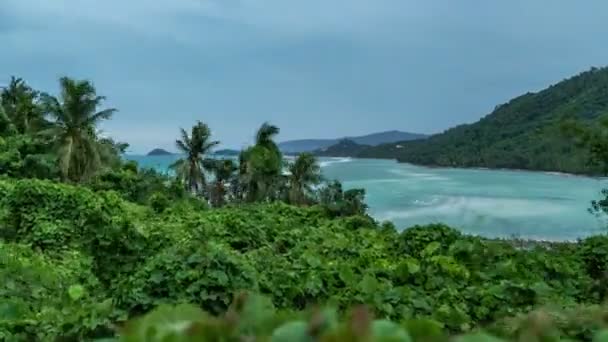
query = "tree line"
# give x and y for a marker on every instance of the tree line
(58, 137)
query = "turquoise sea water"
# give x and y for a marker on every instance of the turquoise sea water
(492, 203)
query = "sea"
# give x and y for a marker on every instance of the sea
(491, 203)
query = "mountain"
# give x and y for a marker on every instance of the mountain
(344, 148)
(159, 152)
(309, 145)
(521, 134)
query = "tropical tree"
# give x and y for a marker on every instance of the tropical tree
(261, 166)
(74, 120)
(265, 137)
(6, 126)
(223, 171)
(304, 173)
(21, 105)
(342, 203)
(190, 169)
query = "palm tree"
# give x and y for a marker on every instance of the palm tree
(261, 165)
(190, 169)
(265, 135)
(304, 173)
(223, 171)
(21, 105)
(74, 128)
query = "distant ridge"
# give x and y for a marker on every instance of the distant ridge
(344, 148)
(159, 152)
(374, 139)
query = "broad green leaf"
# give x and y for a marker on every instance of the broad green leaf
(430, 249)
(76, 292)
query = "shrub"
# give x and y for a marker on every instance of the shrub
(415, 239)
(53, 217)
(206, 275)
(159, 202)
(44, 298)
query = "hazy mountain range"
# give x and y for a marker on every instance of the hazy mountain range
(374, 139)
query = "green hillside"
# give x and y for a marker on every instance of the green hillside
(344, 148)
(521, 134)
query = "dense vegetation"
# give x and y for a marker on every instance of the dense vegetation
(92, 247)
(524, 133)
(77, 263)
(344, 148)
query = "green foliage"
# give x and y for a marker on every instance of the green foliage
(137, 185)
(188, 323)
(80, 152)
(338, 202)
(190, 169)
(224, 172)
(42, 298)
(20, 110)
(304, 173)
(521, 134)
(52, 217)
(137, 258)
(77, 261)
(260, 168)
(159, 202)
(26, 156)
(205, 274)
(415, 240)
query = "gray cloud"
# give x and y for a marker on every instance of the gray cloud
(316, 68)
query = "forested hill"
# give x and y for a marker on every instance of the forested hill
(521, 134)
(374, 139)
(344, 148)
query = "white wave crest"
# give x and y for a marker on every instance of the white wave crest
(326, 163)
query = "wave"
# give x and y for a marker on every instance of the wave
(325, 163)
(474, 208)
(431, 201)
(418, 175)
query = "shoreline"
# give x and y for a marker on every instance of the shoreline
(481, 168)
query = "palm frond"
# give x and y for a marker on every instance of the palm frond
(105, 114)
(185, 138)
(266, 133)
(182, 147)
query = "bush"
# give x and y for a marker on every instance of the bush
(136, 185)
(53, 217)
(206, 275)
(414, 240)
(594, 253)
(44, 298)
(159, 202)
(298, 257)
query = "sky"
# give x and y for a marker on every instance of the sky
(315, 68)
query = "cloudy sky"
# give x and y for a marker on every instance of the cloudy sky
(316, 68)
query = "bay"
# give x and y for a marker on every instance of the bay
(492, 203)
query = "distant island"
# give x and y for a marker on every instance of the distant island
(226, 152)
(374, 139)
(159, 152)
(524, 133)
